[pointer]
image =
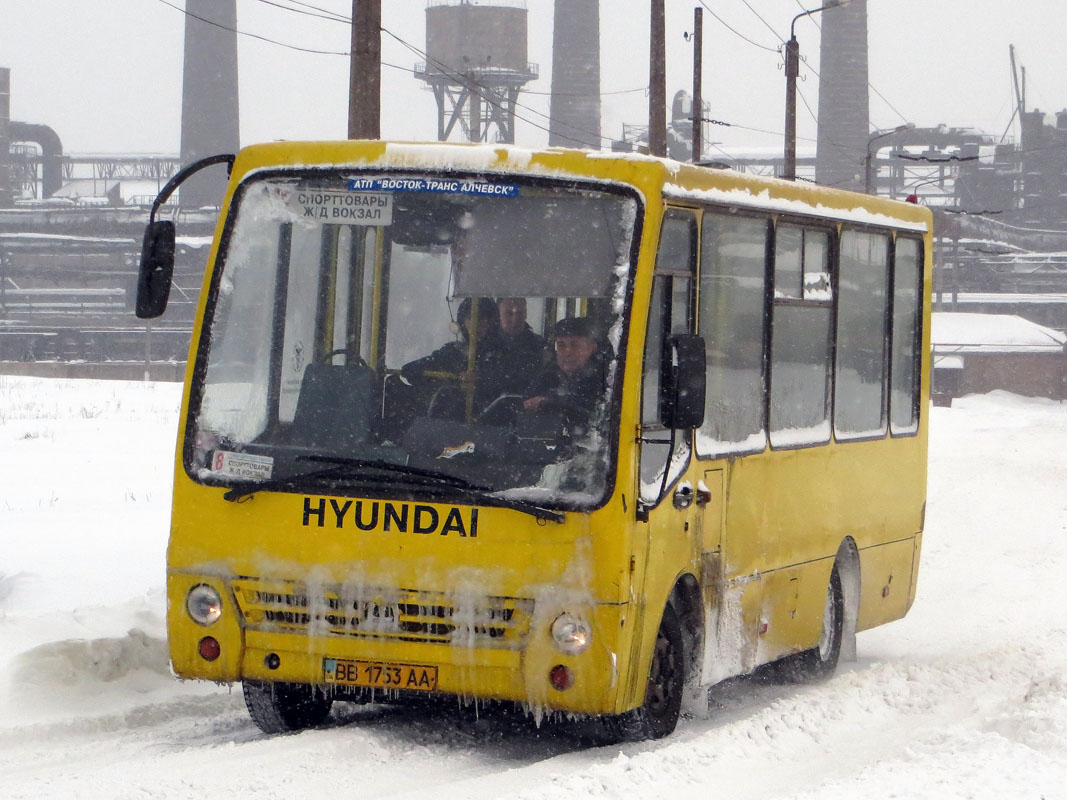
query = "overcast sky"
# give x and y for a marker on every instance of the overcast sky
(106, 74)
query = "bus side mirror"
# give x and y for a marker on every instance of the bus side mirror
(157, 250)
(157, 269)
(682, 387)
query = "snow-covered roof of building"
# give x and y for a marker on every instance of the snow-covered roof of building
(954, 332)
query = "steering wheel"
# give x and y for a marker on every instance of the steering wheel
(343, 351)
(501, 411)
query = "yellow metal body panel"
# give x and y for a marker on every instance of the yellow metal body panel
(760, 552)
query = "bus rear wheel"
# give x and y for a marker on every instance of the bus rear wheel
(657, 716)
(819, 663)
(285, 707)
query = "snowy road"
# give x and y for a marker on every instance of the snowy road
(965, 698)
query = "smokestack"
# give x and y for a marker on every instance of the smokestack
(209, 96)
(6, 195)
(844, 115)
(575, 107)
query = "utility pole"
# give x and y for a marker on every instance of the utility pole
(698, 65)
(792, 70)
(657, 84)
(365, 75)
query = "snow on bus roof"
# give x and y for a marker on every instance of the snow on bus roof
(763, 200)
(477, 157)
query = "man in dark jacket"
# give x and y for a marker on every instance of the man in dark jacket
(575, 383)
(519, 352)
(453, 359)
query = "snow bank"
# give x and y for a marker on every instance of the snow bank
(964, 698)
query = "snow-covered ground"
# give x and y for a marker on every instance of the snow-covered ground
(965, 698)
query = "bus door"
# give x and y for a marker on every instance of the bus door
(666, 498)
(732, 322)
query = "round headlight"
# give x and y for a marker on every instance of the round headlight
(571, 634)
(203, 604)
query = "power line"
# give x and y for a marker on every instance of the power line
(870, 85)
(335, 17)
(325, 14)
(253, 35)
(470, 81)
(734, 31)
(761, 19)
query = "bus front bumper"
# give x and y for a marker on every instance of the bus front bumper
(529, 668)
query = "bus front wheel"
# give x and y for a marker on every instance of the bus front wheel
(657, 716)
(285, 707)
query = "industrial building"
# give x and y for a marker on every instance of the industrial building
(71, 225)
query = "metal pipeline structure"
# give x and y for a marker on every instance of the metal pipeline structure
(51, 153)
(12, 132)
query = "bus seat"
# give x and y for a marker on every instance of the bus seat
(335, 408)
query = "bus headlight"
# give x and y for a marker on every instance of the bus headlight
(203, 604)
(571, 634)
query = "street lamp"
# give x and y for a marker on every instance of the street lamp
(792, 72)
(868, 161)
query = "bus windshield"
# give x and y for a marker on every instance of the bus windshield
(379, 332)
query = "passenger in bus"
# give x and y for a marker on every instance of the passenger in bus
(447, 399)
(520, 352)
(572, 386)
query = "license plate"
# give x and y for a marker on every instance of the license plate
(379, 674)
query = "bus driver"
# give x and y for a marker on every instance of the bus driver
(573, 385)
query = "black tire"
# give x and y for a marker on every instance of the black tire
(658, 715)
(285, 707)
(820, 662)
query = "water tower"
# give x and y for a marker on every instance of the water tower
(476, 65)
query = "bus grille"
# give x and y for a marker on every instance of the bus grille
(385, 614)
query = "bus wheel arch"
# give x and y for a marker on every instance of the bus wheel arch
(673, 666)
(688, 606)
(658, 713)
(847, 562)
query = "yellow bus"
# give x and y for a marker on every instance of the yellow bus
(709, 454)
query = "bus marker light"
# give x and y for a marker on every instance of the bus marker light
(209, 648)
(561, 678)
(272, 661)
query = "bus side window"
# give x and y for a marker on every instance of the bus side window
(862, 333)
(907, 315)
(733, 266)
(670, 312)
(800, 338)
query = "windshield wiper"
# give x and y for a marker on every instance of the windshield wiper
(350, 470)
(433, 477)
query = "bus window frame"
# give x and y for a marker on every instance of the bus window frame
(627, 191)
(917, 357)
(833, 232)
(767, 219)
(887, 329)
